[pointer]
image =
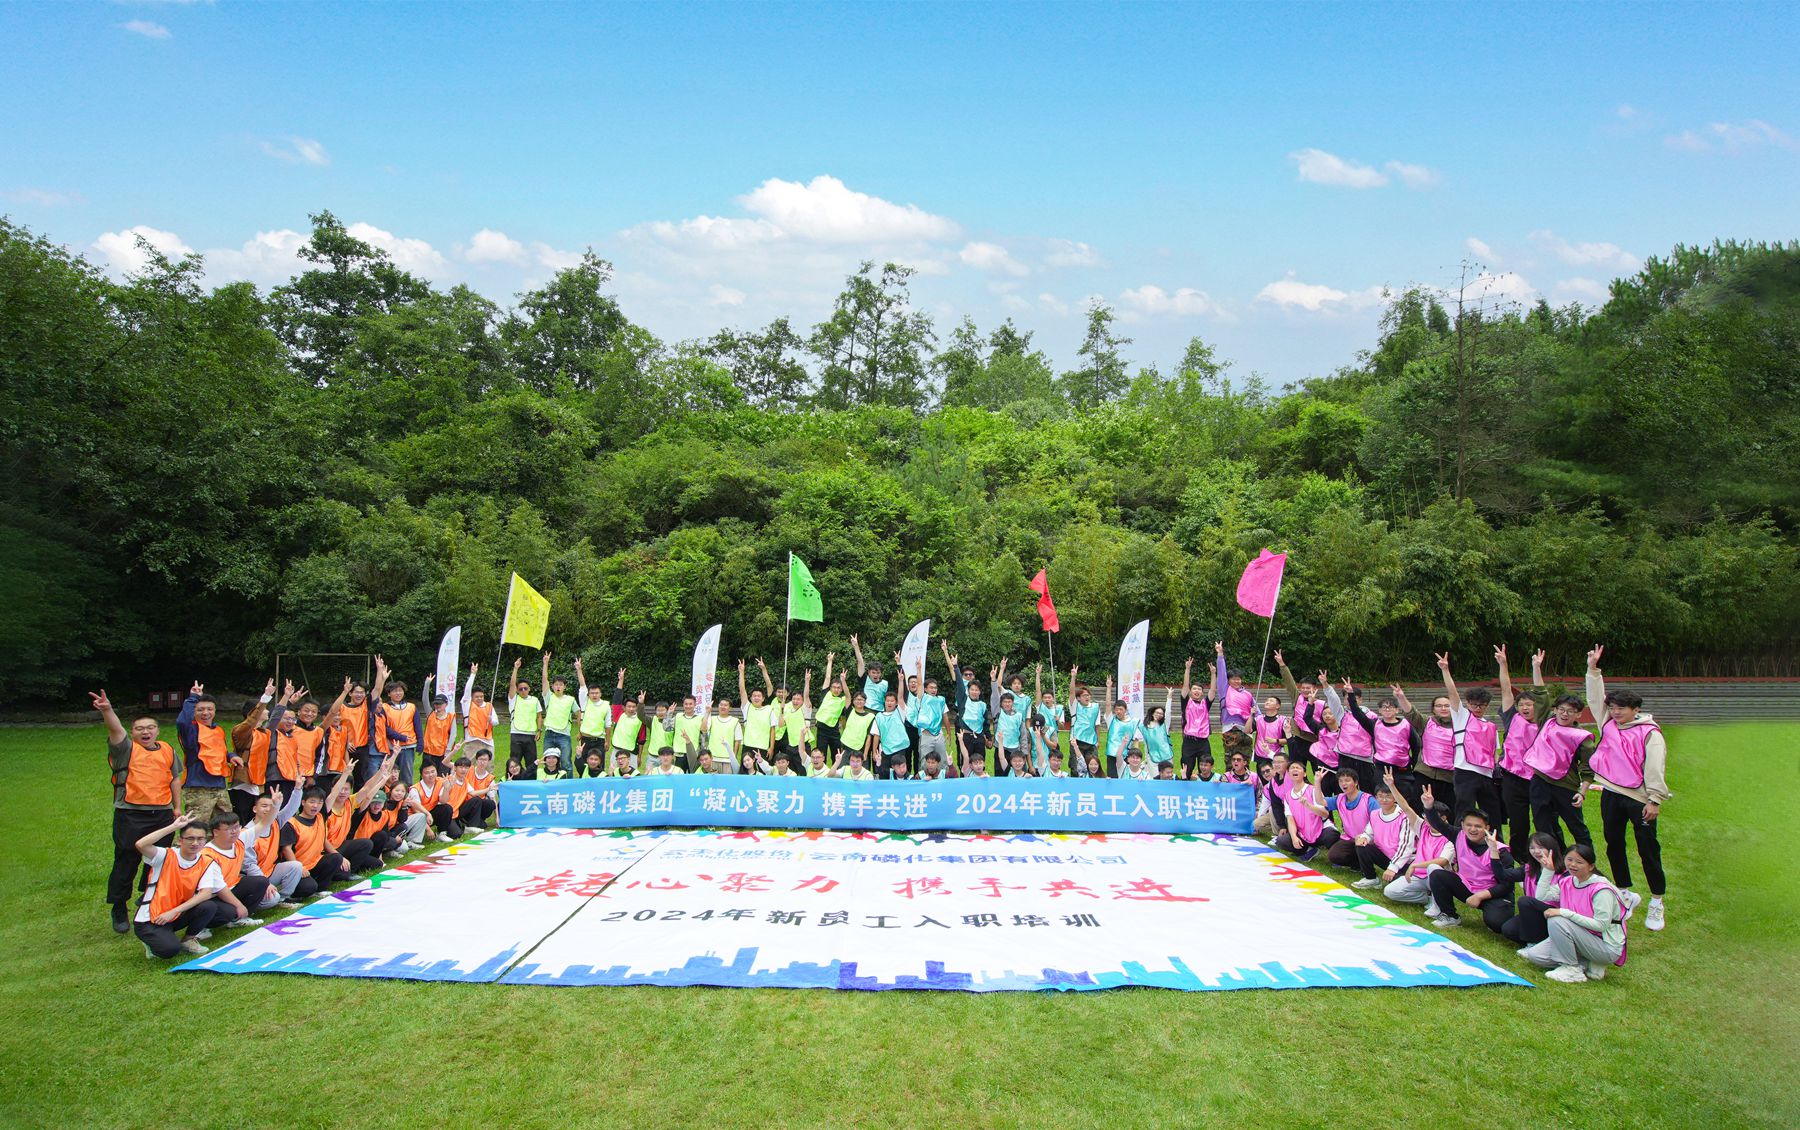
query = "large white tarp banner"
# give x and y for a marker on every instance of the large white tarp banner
(815, 909)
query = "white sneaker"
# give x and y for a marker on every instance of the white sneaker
(443, 837)
(1595, 971)
(203, 935)
(290, 904)
(1366, 884)
(1449, 921)
(192, 945)
(1630, 899)
(1568, 974)
(244, 922)
(147, 952)
(1655, 916)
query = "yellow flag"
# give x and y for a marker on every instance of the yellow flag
(527, 614)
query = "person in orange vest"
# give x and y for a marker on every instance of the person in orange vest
(401, 727)
(437, 730)
(479, 715)
(245, 888)
(250, 745)
(341, 810)
(306, 839)
(206, 753)
(431, 796)
(146, 778)
(262, 842)
(363, 734)
(377, 821)
(181, 898)
(484, 792)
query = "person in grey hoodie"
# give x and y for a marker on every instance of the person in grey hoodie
(1629, 765)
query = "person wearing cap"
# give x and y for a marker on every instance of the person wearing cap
(551, 767)
(440, 726)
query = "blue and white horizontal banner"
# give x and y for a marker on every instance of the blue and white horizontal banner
(1032, 804)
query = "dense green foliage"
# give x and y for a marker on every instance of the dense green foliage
(200, 479)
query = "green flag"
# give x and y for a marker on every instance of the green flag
(804, 602)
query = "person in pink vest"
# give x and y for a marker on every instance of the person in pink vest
(1303, 720)
(1586, 927)
(1431, 853)
(1394, 741)
(1309, 830)
(1629, 764)
(1518, 729)
(1355, 810)
(1385, 849)
(1476, 750)
(1538, 877)
(1237, 702)
(1196, 715)
(1558, 758)
(1482, 868)
(1436, 735)
(1355, 744)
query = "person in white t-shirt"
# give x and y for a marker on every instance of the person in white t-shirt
(665, 764)
(182, 896)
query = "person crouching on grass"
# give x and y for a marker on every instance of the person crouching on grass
(1586, 931)
(181, 896)
(1482, 863)
(1308, 828)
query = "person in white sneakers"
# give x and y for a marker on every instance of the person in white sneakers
(1629, 766)
(1587, 927)
(182, 896)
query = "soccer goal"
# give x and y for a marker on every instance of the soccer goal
(322, 672)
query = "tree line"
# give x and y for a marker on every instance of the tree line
(201, 478)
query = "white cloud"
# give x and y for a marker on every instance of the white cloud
(149, 29)
(490, 246)
(1589, 291)
(1071, 253)
(1320, 167)
(725, 295)
(1054, 304)
(415, 255)
(1480, 249)
(1626, 111)
(1414, 176)
(297, 151)
(826, 210)
(121, 252)
(1152, 301)
(1317, 297)
(42, 197)
(1586, 254)
(270, 257)
(1507, 286)
(1732, 137)
(993, 258)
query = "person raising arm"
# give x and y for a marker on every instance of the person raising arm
(146, 779)
(1629, 765)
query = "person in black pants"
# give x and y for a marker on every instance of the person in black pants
(1449, 888)
(146, 778)
(1528, 926)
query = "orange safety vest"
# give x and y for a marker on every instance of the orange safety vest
(430, 800)
(482, 783)
(354, 721)
(437, 733)
(369, 825)
(231, 866)
(306, 750)
(309, 840)
(149, 775)
(176, 880)
(403, 719)
(213, 753)
(268, 850)
(459, 792)
(337, 749)
(337, 826)
(480, 723)
(257, 764)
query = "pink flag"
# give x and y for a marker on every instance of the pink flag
(1261, 583)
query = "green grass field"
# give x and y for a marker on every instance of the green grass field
(1701, 1028)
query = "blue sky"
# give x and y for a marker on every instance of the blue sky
(1251, 174)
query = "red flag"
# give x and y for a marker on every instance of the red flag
(1260, 586)
(1040, 584)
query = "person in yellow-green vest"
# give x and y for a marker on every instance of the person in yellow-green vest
(526, 718)
(559, 715)
(828, 718)
(724, 737)
(759, 712)
(687, 726)
(627, 732)
(596, 717)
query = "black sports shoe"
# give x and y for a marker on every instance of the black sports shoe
(121, 920)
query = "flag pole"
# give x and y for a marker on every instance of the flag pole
(1262, 664)
(788, 625)
(494, 680)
